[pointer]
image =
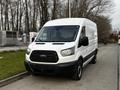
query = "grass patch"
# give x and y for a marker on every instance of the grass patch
(11, 63)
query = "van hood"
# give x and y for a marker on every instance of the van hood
(54, 46)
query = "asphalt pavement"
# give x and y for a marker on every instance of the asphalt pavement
(104, 75)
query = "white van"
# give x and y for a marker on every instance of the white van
(118, 41)
(63, 45)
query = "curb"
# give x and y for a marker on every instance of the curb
(13, 79)
(12, 50)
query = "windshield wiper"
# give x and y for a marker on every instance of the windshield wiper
(39, 40)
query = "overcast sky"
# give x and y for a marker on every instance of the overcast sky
(116, 15)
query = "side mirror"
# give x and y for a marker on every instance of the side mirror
(33, 39)
(84, 41)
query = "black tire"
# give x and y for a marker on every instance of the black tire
(77, 72)
(29, 70)
(27, 67)
(94, 60)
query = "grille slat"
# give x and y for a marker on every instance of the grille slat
(44, 56)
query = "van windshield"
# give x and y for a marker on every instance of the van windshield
(58, 34)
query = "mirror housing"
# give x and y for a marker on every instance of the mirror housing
(84, 41)
(33, 39)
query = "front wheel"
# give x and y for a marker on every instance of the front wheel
(29, 69)
(77, 72)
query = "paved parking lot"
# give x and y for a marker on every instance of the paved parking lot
(101, 76)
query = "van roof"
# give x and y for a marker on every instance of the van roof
(69, 21)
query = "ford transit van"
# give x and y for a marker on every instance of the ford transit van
(63, 45)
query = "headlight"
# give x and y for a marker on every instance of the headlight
(68, 52)
(28, 51)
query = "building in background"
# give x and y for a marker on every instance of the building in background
(8, 38)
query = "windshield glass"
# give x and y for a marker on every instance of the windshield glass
(58, 34)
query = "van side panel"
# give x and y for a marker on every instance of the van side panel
(91, 33)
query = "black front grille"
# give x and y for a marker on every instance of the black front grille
(44, 56)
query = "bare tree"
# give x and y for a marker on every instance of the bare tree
(6, 15)
(44, 11)
(28, 15)
(21, 16)
(26, 18)
(1, 9)
(89, 8)
(104, 28)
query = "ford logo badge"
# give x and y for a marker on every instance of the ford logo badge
(43, 56)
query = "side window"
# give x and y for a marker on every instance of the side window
(83, 32)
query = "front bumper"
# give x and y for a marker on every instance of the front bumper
(48, 68)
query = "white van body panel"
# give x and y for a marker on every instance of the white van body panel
(66, 21)
(83, 51)
(57, 48)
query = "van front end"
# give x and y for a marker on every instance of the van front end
(50, 58)
(63, 45)
(54, 47)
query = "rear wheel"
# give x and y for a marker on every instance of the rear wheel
(94, 60)
(77, 72)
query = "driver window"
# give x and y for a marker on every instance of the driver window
(83, 32)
